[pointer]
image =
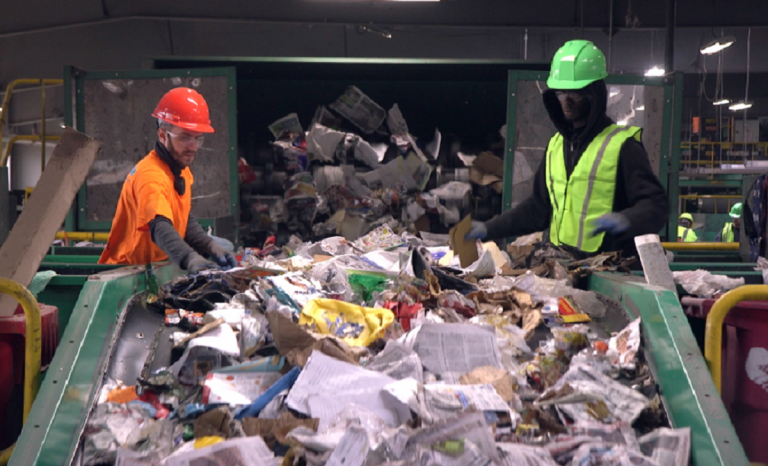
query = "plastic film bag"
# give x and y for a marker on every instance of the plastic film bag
(355, 325)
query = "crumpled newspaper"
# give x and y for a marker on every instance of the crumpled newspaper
(585, 394)
(110, 426)
(705, 284)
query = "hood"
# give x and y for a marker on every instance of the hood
(597, 95)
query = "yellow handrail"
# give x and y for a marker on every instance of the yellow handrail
(32, 349)
(22, 137)
(4, 111)
(680, 246)
(83, 236)
(713, 335)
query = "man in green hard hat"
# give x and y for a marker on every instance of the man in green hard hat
(595, 189)
(685, 233)
(731, 230)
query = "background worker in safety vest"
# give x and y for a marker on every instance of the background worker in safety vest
(731, 231)
(153, 220)
(594, 189)
(685, 233)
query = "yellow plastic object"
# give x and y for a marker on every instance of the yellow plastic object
(362, 325)
(32, 349)
(701, 246)
(203, 442)
(91, 236)
(713, 335)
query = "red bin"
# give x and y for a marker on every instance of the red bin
(745, 372)
(12, 335)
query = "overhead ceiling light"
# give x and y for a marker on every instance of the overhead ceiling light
(740, 106)
(717, 45)
(721, 102)
(655, 71)
(640, 108)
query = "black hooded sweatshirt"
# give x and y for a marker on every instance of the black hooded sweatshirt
(639, 194)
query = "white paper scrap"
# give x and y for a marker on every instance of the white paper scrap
(351, 450)
(327, 385)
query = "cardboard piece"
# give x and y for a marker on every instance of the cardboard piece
(214, 422)
(35, 230)
(467, 250)
(487, 169)
(498, 258)
(498, 377)
(297, 345)
(275, 430)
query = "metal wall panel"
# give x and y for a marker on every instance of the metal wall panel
(628, 104)
(118, 113)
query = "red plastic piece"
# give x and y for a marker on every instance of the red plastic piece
(151, 398)
(403, 312)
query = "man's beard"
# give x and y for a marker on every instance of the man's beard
(179, 156)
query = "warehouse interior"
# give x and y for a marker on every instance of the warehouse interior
(355, 127)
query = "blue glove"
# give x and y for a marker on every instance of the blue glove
(478, 231)
(224, 258)
(614, 224)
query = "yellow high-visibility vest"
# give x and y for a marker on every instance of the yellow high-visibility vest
(588, 194)
(686, 235)
(727, 235)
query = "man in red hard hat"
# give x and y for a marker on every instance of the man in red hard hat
(153, 220)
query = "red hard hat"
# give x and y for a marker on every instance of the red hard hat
(185, 108)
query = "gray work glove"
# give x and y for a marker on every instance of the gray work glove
(197, 263)
(224, 258)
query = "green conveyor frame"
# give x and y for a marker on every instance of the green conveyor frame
(53, 429)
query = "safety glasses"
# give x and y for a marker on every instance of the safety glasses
(187, 140)
(575, 96)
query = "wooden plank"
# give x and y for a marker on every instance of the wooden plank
(42, 217)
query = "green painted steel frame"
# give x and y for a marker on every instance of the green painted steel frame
(52, 431)
(670, 147)
(686, 386)
(82, 222)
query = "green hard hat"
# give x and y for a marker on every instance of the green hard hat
(736, 210)
(577, 64)
(686, 216)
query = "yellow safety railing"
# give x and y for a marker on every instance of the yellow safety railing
(711, 154)
(713, 334)
(731, 198)
(681, 246)
(42, 137)
(32, 349)
(92, 236)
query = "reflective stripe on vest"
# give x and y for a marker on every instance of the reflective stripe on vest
(588, 194)
(684, 235)
(727, 233)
